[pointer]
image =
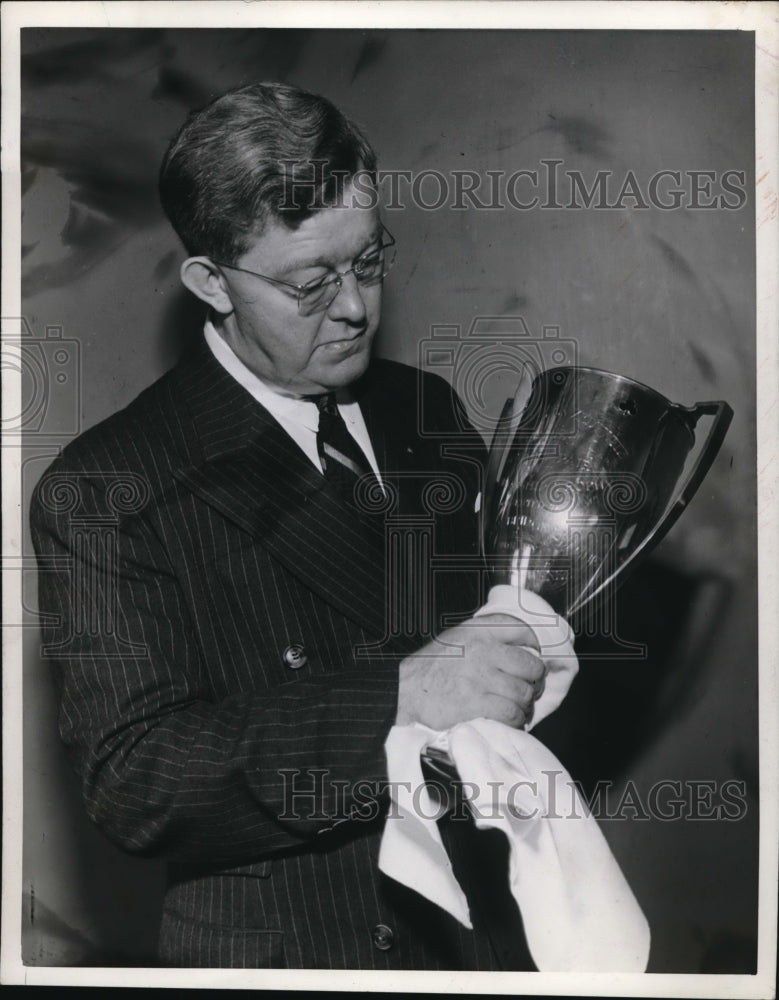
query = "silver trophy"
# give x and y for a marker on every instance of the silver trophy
(587, 472)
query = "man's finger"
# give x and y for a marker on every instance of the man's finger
(505, 710)
(523, 663)
(515, 689)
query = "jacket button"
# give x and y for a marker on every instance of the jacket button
(295, 656)
(383, 937)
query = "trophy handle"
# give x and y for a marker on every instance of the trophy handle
(723, 414)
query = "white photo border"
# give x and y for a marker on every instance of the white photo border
(763, 19)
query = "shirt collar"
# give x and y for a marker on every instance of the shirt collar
(301, 411)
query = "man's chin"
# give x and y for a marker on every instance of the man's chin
(345, 370)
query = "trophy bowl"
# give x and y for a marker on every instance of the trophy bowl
(586, 475)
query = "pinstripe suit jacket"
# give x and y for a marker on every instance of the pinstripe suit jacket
(185, 544)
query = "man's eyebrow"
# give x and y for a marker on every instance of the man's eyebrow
(304, 263)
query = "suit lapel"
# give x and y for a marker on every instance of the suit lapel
(391, 413)
(254, 474)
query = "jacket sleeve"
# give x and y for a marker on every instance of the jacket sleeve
(166, 770)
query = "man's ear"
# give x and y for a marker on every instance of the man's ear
(204, 279)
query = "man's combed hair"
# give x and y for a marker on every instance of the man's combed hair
(261, 153)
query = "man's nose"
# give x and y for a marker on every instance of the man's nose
(348, 304)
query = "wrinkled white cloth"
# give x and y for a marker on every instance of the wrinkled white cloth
(555, 639)
(578, 911)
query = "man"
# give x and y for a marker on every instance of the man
(234, 624)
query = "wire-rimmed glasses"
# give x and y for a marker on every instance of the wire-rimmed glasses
(317, 296)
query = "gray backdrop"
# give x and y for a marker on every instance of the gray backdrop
(664, 295)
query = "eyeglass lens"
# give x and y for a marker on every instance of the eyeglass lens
(368, 270)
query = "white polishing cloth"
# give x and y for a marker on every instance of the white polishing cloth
(555, 638)
(578, 911)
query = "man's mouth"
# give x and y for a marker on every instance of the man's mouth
(344, 344)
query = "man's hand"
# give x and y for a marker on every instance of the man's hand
(495, 678)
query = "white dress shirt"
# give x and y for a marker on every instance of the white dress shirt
(299, 417)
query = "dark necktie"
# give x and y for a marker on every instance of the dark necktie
(343, 461)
